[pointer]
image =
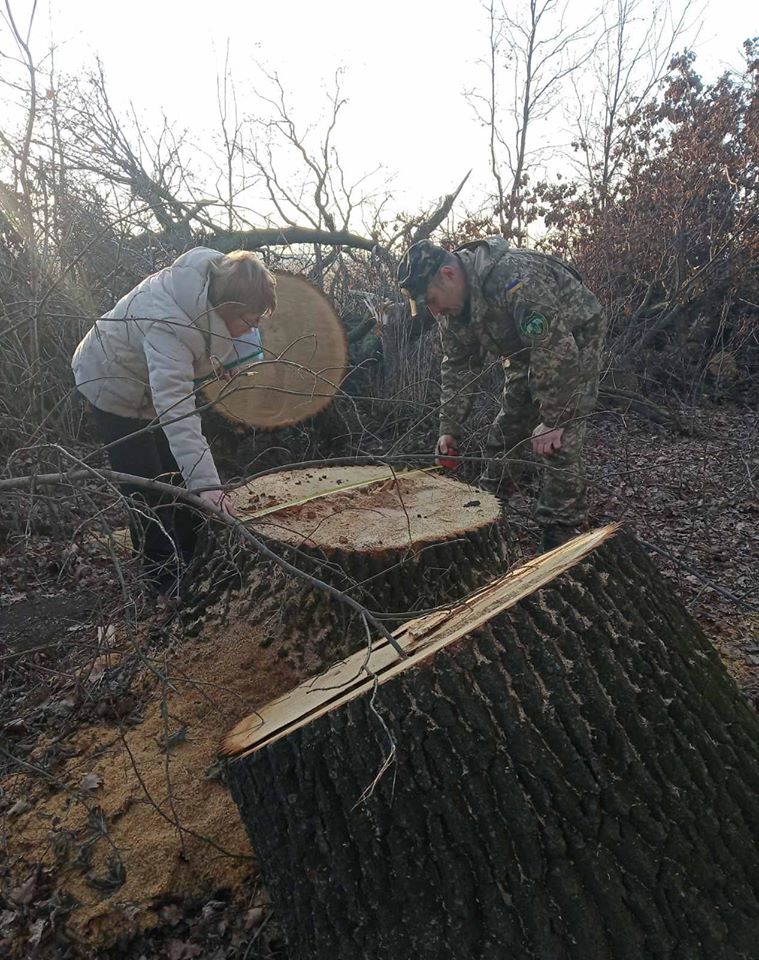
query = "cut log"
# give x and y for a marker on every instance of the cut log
(305, 358)
(569, 774)
(399, 543)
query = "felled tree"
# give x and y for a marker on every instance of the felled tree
(569, 773)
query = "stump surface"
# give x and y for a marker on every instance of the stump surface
(363, 509)
(399, 543)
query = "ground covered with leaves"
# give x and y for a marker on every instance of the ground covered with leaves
(119, 835)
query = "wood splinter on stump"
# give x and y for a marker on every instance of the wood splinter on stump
(396, 542)
(574, 777)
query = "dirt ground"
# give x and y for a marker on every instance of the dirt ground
(119, 836)
(136, 814)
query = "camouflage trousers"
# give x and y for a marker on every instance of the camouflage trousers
(562, 496)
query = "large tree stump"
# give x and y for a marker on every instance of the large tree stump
(398, 543)
(573, 777)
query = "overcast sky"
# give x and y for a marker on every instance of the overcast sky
(407, 64)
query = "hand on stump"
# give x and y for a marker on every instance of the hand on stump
(220, 500)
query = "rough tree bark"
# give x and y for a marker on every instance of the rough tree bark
(575, 777)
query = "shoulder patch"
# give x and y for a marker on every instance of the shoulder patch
(513, 287)
(534, 325)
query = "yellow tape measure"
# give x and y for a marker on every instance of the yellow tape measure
(328, 493)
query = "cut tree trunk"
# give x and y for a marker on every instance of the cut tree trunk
(560, 770)
(398, 543)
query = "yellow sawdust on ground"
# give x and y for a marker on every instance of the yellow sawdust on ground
(215, 682)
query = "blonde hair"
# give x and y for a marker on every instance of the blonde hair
(240, 277)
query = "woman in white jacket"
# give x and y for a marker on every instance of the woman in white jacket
(138, 366)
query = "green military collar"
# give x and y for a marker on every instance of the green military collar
(478, 258)
(496, 245)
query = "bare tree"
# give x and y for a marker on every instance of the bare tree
(636, 45)
(233, 182)
(146, 168)
(304, 178)
(536, 47)
(19, 201)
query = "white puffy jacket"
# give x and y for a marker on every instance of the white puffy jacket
(141, 358)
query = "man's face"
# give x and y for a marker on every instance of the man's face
(447, 293)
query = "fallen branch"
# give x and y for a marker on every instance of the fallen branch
(643, 407)
(284, 236)
(433, 222)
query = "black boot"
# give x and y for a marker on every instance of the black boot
(554, 534)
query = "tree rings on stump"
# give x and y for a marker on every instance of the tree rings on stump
(398, 543)
(561, 769)
(363, 510)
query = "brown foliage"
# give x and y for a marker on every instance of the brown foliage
(671, 246)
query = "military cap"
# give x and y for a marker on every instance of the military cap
(418, 266)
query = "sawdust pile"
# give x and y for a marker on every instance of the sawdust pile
(108, 828)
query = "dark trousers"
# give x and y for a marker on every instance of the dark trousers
(162, 530)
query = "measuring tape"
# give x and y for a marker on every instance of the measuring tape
(328, 493)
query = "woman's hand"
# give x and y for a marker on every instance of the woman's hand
(219, 499)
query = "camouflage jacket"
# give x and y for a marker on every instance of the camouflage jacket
(524, 306)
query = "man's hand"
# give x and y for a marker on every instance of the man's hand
(546, 441)
(220, 500)
(447, 452)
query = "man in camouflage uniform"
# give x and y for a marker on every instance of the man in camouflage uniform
(534, 312)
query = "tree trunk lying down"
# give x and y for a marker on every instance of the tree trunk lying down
(575, 777)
